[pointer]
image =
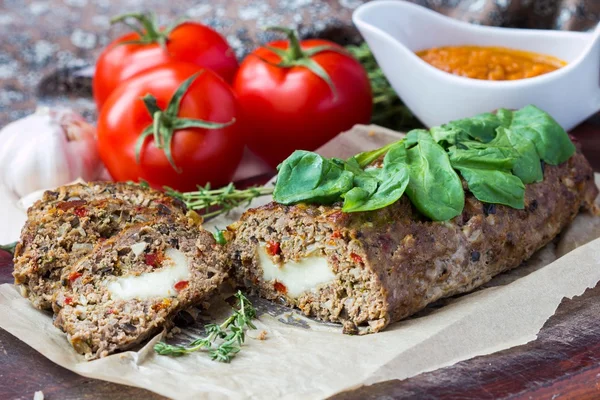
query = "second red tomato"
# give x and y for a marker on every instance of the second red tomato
(287, 109)
(189, 42)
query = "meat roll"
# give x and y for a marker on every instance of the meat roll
(368, 269)
(133, 284)
(65, 225)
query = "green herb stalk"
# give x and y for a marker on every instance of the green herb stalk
(212, 202)
(223, 341)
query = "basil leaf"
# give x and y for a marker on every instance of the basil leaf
(434, 188)
(527, 166)
(481, 127)
(306, 176)
(493, 186)
(393, 178)
(499, 158)
(551, 141)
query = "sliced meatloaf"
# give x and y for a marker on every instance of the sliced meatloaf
(136, 195)
(373, 268)
(66, 224)
(131, 285)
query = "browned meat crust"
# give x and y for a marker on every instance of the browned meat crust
(98, 323)
(390, 263)
(133, 194)
(65, 225)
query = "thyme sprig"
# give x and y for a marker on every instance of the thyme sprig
(9, 247)
(222, 341)
(212, 202)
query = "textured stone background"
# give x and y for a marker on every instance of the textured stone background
(43, 42)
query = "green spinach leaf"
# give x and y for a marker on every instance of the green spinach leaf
(447, 136)
(392, 180)
(527, 166)
(306, 176)
(362, 179)
(494, 186)
(551, 141)
(485, 150)
(500, 158)
(367, 157)
(434, 187)
(481, 127)
(412, 137)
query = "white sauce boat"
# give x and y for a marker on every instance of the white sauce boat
(394, 30)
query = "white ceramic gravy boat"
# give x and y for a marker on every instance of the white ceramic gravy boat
(394, 30)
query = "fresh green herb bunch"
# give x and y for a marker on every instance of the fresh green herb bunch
(223, 341)
(212, 202)
(388, 109)
(496, 154)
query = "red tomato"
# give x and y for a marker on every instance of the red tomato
(201, 155)
(287, 109)
(189, 42)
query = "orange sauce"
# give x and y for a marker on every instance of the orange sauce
(490, 63)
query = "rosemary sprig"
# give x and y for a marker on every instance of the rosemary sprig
(212, 202)
(9, 247)
(388, 109)
(223, 341)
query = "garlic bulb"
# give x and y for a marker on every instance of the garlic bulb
(47, 149)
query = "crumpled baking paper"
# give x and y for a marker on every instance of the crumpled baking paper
(302, 358)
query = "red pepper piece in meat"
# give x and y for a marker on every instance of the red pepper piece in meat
(280, 287)
(356, 258)
(273, 248)
(181, 285)
(74, 275)
(66, 205)
(80, 211)
(153, 259)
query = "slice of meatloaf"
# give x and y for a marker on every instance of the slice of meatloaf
(377, 267)
(133, 194)
(66, 224)
(131, 285)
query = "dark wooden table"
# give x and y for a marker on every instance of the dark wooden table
(563, 363)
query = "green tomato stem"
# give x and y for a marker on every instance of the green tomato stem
(166, 122)
(146, 26)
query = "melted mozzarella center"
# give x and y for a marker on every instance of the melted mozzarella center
(161, 283)
(297, 276)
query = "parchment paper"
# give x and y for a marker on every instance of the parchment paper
(301, 358)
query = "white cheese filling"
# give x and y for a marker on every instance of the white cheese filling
(297, 276)
(161, 283)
